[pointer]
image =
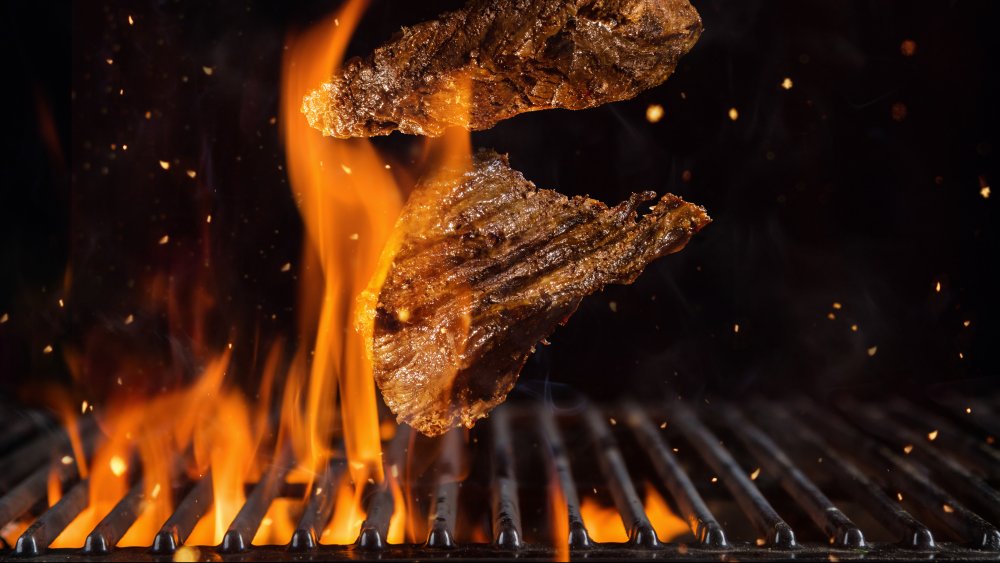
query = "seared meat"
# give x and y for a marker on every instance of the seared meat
(483, 265)
(494, 59)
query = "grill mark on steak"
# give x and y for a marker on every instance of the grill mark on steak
(517, 56)
(486, 266)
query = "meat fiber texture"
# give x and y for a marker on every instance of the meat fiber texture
(494, 59)
(485, 265)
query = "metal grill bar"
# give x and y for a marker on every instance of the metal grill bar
(774, 530)
(36, 539)
(243, 528)
(860, 446)
(113, 526)
(911, 532)
(560, 472)
(506, 508)
(910, 479)
(178, 527)
(699, 517)
(828, 517)
(640, 530)
(975, 452)
(957, 476)
(319, 510)
(442, 524)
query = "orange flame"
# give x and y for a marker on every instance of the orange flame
(668, 525)
(349, 202)
(603, 522)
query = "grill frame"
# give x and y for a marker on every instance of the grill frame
(769, 431)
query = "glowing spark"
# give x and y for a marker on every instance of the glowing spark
(119, 381)
(208, 219)
(654, 113)
(736, 328)
(755, 474)
(899, 496)
(908, 47)
(734, 114)
(837, 305)
(613, 305)
(715, 479)
(129, 319)
(66, 460)
(947, 508)
(163, 163)
(786, 83)
(207, 70)
(156, 491)
(191, 173)
(109, 61)
(403, 315)
(83, 406)
(613, 422)
(961, 356)
(937, 287)
(354, 236)
(932, 435)
(47, 349)
(985, 192)
(61, 304)
(286, 266)
(761, 541)
(148, 115)
(4, 318)
(130, 20)
(854, 328)
(966, 323)
(899, 111)
(831, 316)
(872, 350)
(968, 410)
(345, 168)
(117, 465)
(164, 239)
(908, 448)
(663, 425)
(124, 147)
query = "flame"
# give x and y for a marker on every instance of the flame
(155, 431)
(603, 522)
(349, 202)
(559, 520)
(668, 525)
(348, 514)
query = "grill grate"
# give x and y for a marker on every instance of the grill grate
(758, 480)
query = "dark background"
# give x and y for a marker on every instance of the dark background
(861, 185)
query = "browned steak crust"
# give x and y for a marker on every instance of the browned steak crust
(485, 266)
(515, 55)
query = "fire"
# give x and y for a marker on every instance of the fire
(152, 436)
(604, 524)
(349, 202)
(668, 525)
(559, 521)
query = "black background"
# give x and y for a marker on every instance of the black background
(818, 193)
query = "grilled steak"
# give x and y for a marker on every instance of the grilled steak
(494, 59)
(482, 266)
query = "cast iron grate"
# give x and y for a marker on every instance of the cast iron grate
(758, 480)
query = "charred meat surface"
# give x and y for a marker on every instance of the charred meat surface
(483, 266)
(494, 59)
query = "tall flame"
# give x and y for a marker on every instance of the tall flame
(349, 202)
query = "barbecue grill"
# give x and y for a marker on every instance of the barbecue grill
(813, 378)
(756, 480)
